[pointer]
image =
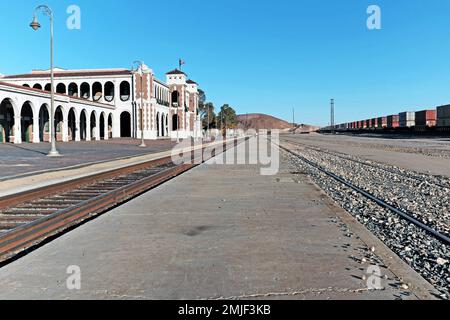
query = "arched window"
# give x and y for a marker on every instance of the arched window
(48, 87)
(61, 88)
(125, 91)
(97, 91)
(175, 96)
(85, 90)
(37, 86)
(109, 91)
(73, 90)
(26, 85)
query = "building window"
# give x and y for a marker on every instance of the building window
(125, 91)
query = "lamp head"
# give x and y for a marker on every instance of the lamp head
(35, 24)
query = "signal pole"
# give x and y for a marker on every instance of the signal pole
(332, 116)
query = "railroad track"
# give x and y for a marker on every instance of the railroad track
(376, 166)
(30, 219)
(401, 213)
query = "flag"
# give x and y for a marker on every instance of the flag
(181, 62)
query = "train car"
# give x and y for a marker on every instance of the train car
(426, 118)
(393, 121)
(373, 123)
(407, 119)
(443, 116)
(381, 122)
(367, 124)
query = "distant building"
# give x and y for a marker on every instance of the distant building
(98, 104)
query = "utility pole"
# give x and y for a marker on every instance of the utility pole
(332, 116)
(293, 120)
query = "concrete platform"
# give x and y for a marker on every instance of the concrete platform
(28, 158)
(103, 153)
(371, 148)
(215, 232)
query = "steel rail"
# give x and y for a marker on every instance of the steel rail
(366, 164)
(375, 199)
(29, 235)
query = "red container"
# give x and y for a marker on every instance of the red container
(426, 118)
(393, 121)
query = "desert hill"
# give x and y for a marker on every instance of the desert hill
(260, 121)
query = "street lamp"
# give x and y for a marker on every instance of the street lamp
(35, 25)
(142, 69)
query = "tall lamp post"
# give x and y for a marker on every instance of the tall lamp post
(139, 66)
(36, 25)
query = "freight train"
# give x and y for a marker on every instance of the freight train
(430, 120)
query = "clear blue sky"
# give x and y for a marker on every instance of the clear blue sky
(256, 55)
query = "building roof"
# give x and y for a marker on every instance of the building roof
(70, 73)
(191, 81)
(176, 71)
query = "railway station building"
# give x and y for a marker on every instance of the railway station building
(98, 104)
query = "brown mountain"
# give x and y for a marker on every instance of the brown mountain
(259, 121)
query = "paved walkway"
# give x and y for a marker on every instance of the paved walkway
(27, 158)
(214, 232)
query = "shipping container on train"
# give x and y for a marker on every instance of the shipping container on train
(407, 119)
(373, 123)
(381, 122)
(393, 121)
(426, 118)
(443, 116)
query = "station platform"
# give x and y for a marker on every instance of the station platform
(33, 169)
(217, 232)
(28, 158)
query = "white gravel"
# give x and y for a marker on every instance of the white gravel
(421, 195)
